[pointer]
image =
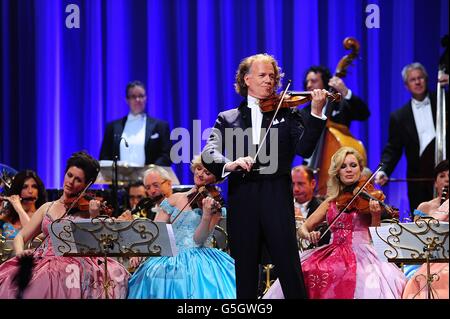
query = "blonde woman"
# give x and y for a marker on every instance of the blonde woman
(348, 267)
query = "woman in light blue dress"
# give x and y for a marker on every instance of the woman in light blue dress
(198, 271)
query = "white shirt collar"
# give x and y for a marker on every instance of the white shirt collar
(419, 104)
(252, 102)
(132, 117)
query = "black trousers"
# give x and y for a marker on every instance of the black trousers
(261, 211)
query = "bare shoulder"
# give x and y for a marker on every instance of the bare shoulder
(175, 198)
(424, 207)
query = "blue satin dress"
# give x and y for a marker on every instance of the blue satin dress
(196, 272)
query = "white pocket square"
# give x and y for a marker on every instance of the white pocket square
(154, 136)
(275, 122)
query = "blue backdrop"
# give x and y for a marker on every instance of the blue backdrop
(60, 85)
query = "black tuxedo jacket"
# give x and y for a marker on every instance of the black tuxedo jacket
(297, 134)
(403, 136)
(157, 141)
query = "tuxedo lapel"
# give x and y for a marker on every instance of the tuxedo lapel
(149, 128)
(246, 115)
(410, 123)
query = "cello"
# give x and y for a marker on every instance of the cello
(335, 135)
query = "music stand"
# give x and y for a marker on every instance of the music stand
(105, 237)
(419, 242)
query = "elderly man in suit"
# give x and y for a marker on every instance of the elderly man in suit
(412, 128)
(137, 138)
(260, 202)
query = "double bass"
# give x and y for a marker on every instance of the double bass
(335, 135)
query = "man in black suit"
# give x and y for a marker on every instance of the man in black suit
(412, 128)
(260, 202)
(305, 203)
(137, 138)
(349, 109)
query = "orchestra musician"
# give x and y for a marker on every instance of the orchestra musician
(157, 185)
(26, 194)
(50, 274)
(305, 203)
(349, 109)
(137, 138)
(198, 271)
(348, 267)
(260, 204)
(412, 130)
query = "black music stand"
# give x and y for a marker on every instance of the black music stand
(424, 241)
(105, 237)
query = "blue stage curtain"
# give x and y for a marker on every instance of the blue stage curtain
(60, 86)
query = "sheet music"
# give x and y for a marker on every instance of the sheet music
(78, 237)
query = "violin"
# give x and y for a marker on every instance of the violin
(206, 191)
(361, 203)
(292, 99)
(144, 205)
(81, 204)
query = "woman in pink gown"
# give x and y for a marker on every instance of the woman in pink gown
(416, 287)
(56, 277)
(348, 267)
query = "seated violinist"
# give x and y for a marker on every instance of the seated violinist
(350, 260)
(197, 271)
(157, 186)
(53, 276)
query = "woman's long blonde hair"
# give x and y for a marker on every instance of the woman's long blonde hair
(334, 185)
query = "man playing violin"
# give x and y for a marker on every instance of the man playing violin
(260, 200)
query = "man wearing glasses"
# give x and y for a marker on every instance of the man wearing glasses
(137, 138)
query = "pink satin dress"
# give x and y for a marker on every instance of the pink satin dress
(56, 277)
(348, 267)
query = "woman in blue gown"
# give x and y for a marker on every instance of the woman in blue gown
(198, 271)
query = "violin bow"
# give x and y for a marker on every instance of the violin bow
(78, 198)
(360, 190)
(273, 119)
(200, 190)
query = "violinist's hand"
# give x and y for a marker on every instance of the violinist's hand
(339, 85)
(319, 99)
(94, 208)
(244, 163)
(374, 207)
(126, 216)
(381, 178)
(209, 207)
(313, 237)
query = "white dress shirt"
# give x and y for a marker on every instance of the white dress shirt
(134, 134)
(257, 116)
(423, 117)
